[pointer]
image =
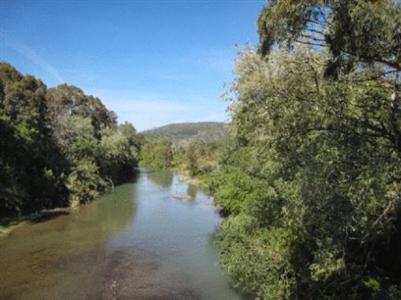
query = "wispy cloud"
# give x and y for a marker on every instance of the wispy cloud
(30, 54)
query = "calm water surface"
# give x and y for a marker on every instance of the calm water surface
(138, 242)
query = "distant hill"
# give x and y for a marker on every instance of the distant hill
(179, 132)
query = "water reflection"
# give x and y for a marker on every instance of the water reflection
(192, 191)
(162, 178)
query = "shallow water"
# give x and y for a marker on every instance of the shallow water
(138, 242)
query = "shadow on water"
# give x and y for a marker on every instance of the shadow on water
(48, 215)
(34, 217)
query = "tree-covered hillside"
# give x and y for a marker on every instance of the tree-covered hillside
(201, 131)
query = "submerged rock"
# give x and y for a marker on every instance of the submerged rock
(182, 197)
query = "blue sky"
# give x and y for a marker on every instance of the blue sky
(152, 62)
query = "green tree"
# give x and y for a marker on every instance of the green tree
(26, 138)
(355, 31)
(157, 155)
(119, 152)
(315, 163)
(57, 145)
(316, 129)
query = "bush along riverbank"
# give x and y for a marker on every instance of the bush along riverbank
(59, 147)
(195, 160)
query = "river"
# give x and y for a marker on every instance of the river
(137, 242)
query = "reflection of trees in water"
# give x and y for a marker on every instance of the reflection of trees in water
(118, 208)
(161, 178)
(133, 178)
(192, 190)
(95, 222)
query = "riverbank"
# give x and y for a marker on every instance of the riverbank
(198, 182)
(7, 225)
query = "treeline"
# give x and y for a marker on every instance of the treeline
(58, 146)
(194, 157)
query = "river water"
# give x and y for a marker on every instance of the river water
(137, 242)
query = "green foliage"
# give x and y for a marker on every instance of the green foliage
(257, 259)
(157, 155)
(57, 146)
(195, 158)
(85, 182)
(234, 190)
(120, 152)
(355, 31)
(192, 148)
(65, 100)
(31, 167)
(198, 158)
(311, 178)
